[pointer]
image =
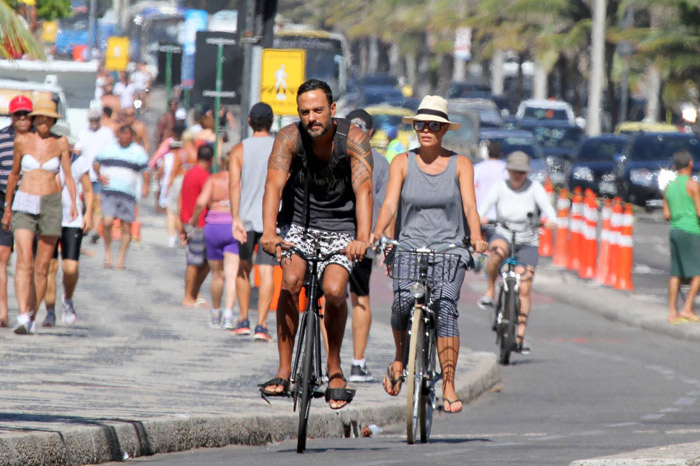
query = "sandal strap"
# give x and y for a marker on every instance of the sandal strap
(339, 394)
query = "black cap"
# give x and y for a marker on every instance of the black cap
(361, 118)
(261, 111)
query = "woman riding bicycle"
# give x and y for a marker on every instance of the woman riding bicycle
(435, 189)
(517, 200)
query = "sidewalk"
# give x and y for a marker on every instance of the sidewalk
(138, 374)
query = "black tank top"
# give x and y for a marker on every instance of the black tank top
(319, 195)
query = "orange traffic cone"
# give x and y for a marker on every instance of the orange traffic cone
(625, 262)
(277, 275)
(561, 246)
(615, 223)
(575, 231)
(604, 256)
(590, 247)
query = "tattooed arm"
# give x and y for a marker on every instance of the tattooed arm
(278, 166)
(361, 163)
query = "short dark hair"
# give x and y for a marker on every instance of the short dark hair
(260, 117)
(125, 128)
(361, 118)
(178, 129)
(205, 152)
(314, 84)
(495, 150)
(107, 111)
(681, 159)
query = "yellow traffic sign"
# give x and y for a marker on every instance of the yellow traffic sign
(117, 57)
(282, 74)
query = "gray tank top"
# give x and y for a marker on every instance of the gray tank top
(431, 206)
(256, 152)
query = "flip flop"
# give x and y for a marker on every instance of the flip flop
(679, 320)
(107, 265)
(691, 319)
(279, 381)
(389, 375)
(450, 403)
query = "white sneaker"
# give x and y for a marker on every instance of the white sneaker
(69, 315)
(215, 318)
(24, 325)
(172, 241)
(228, 323)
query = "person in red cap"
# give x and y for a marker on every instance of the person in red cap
(20, 107)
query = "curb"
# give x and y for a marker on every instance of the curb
(117, 440)
(619, 306)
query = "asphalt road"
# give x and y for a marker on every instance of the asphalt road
(591, 387)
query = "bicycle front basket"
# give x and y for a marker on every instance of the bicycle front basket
(418, 266)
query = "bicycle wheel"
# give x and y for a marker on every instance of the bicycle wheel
(509, 324)
(428, 391)
(415, 415)
(306, 379)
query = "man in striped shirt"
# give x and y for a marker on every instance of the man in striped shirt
(118, 167)
(19, 109)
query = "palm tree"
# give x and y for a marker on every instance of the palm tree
(15, 38)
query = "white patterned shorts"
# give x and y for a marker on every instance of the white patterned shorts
(327, 240)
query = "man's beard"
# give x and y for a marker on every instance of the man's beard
(318, 135)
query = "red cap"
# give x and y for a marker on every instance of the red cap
(20, 103)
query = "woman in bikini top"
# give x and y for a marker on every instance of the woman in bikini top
(37, 205)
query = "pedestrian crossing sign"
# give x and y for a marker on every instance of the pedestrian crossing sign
(282, 74)
(117, 56)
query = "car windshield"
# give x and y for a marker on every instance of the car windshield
(662, 147)
(514, 143)
(546, 113)
(565, 138)
(384, 95)
(466, 131)
(382, 121)
(600, 150)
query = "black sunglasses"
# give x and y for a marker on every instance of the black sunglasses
(21, 114)
(433, 126)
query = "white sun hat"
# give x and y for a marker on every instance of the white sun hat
(432, 108)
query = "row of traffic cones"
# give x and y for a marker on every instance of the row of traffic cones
(606, 258)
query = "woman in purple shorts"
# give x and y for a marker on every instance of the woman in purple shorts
(221, 247)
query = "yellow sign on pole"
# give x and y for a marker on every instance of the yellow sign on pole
(282, 74)
(117, 57)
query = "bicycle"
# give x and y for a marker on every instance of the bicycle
(507, 310)
(426, 268)
(306, 370)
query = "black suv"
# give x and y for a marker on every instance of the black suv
(644, 168)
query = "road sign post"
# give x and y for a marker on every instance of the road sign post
(218, 93)
(169, 50)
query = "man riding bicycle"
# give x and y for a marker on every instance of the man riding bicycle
(321, 169)
(517, 201)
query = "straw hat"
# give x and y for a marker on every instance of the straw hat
(432, 108)
(45, 106)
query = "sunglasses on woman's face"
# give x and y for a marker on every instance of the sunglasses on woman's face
(433, 126)
(21, 114)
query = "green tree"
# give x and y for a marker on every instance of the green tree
(15, 36)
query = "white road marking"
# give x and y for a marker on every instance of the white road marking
(651, 417)
(684, 401)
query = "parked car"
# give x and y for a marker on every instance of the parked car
(467, 90)
(643, 170)
(464, 140)
(9, 89)
(376, 95)
(593, 163)
(384, 116)
(489, 115)
(518, 140)
(558, 139)
(547, 110)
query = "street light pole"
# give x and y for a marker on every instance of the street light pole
(220, 42)
(595, 84)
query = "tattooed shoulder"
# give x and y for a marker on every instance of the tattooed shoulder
(284, 148)
(360, 155)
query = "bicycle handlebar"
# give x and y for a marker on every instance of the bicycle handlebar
(384, 241)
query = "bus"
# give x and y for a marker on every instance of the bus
(327, 55)
(152, 24)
